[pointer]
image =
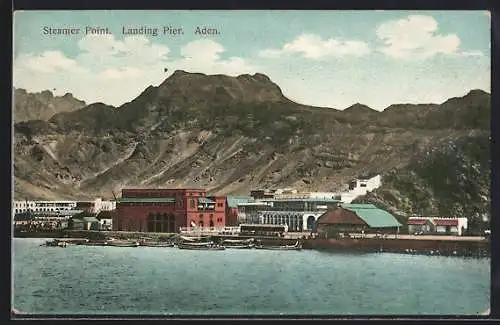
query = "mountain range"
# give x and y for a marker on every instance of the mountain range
(233, 134)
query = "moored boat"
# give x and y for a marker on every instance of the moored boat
(55, 243)
(295, 247)
(156, 244)
(92, 243)
(206, 246)
(238, 243)
(119, 243)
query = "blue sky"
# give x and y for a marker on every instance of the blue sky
(322, 58)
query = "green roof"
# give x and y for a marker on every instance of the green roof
(146, 200)
(233, 201)
(205, 200)
(373, 216)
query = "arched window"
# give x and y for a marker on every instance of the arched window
(171, 223)
(158, 222)
(211, 223)
(151, 222)
(310, 223)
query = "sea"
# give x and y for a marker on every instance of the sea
(156, 281)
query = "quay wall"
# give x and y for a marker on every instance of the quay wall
(452, 247)
(464, 246)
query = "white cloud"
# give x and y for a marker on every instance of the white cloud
(50, 62)
(116, 71)
(312, 46)
(416, 37)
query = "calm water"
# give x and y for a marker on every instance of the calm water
(149, 280)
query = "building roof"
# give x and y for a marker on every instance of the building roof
(233, 201)
(105, 214)
(146, 200)
(445, 222)
(416, 221)
(373, 216)
(340, 216)
(202, 199)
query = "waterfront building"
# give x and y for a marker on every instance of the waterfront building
(96, 205)
(356, 218)
(167, 210)
(48, 219)
(297, 211)
(22, 206)
(84, 223)
(105, 219)
(232, 208)
(437, 225)
(103, 205)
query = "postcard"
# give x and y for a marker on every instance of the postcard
(240, 163)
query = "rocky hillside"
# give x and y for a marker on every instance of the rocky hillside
(233, 134)
(43, 105)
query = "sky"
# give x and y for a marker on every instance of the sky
(321, 58)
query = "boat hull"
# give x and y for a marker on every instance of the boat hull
(239, 246)
(201, 248)
(280, 248)
(122, 244)
(156, 245)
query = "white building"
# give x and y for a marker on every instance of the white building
(100, 205)
(41, 206)
(358, 187)
(437, 225)
(298, 212)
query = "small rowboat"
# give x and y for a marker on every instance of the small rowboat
(207, 246)
(295, 247)
(238, 244)
(146, 244)
(55, 243)
(116, 243)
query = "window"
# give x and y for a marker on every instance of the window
(220, 205)
(201, 215)
(211, 215)
(362, 185)
(192, 204)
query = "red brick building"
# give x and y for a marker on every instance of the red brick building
(166, 210)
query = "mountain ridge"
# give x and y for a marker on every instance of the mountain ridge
(234, 134)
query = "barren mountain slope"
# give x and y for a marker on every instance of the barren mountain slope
(43, 105)
(233, 134)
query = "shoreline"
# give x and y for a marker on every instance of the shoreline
(405, 245)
